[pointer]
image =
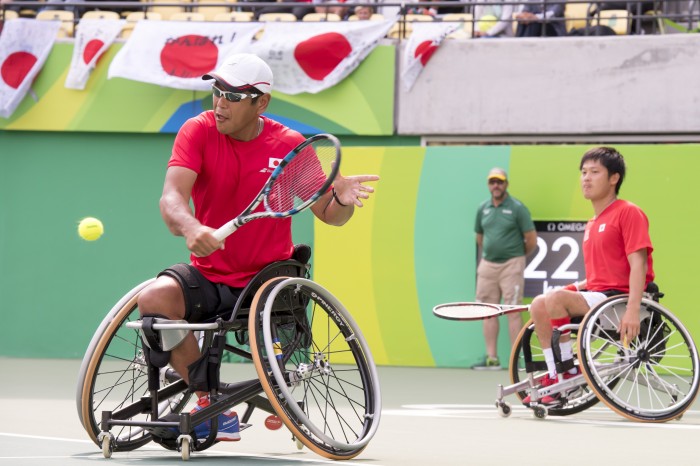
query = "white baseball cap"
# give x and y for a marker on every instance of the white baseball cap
(241, 71)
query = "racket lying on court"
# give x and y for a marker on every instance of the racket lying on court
(301, 177)
(474, 311)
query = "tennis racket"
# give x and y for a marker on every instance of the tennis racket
(474, 311)
(301, 177)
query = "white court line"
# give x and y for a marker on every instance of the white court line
(154, 449)
(467, 411)
(41, 437)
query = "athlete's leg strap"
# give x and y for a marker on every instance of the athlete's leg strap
(190, 281)
(153, 345)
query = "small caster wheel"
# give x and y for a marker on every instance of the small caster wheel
(185, 449)
(540, 411)
(107, 446)
(504, 409)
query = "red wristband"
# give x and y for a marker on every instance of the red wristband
(571, 287)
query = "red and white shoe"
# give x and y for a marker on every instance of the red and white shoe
(547, 381)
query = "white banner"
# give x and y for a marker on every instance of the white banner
(24, 46)
(178, 53)
(423, 42)
(311, 57)
(93, 38)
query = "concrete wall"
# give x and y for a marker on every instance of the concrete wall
(641, 85)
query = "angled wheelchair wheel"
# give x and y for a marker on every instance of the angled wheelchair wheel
(576, 400)
(315, 367)
(656, 376)
(114, 374)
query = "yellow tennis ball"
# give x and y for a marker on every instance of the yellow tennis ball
(486, 22)
(90, 229)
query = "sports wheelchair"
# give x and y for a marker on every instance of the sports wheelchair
(315, 370)
(653, 379)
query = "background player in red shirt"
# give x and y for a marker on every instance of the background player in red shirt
(617, 258)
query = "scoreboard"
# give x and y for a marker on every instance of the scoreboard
(558, 258)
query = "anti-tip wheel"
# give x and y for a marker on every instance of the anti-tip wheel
(185, 449)
(504, 409)
(540, 412)
(106, 446)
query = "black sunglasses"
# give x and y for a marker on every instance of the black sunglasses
(232, 96)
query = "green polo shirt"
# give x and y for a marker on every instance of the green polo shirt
(503, 228)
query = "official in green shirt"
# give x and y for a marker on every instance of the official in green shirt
(505, 234)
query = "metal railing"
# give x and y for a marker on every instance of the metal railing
(643, 17)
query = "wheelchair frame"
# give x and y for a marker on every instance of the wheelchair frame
(655, 379)
(320, 378)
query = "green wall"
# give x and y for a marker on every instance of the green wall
(55, 286)
(411, 247)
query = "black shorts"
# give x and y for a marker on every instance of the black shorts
(204, 300)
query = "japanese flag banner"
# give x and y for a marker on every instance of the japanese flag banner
(92, 40)
(177, 54)
(311, 57)
(24, 46)
(423, 42)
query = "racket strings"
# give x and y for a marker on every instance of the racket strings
(303, 177)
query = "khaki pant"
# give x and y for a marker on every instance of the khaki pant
(504, 281)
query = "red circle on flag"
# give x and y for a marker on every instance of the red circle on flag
(319, 55)
(425, 50)
(189, 56)
(91, 50)
(16, 67)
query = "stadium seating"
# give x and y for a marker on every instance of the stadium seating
(576, 15)
(321, 17)
(67, 19)
(466, 31)
(403, 30)
(374, 17)
(187, 16)
(234, 16)
(101, 14)
(209, 11)
(8, 15)
(135, 17)
(617, 20)
(268, 17)
(167, 10)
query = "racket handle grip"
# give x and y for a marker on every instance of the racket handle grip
(225, 230)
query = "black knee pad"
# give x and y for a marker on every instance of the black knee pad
(189, 280)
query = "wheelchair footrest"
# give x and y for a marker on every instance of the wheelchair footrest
(165, 433)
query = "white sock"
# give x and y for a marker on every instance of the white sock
(567, 353)
(549, 359)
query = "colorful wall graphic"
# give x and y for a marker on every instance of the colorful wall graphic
(120, 105)
(410, 248)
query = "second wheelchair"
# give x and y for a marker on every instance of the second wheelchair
(653, 379)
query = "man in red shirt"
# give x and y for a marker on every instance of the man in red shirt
(617, 258)
(220, 161)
